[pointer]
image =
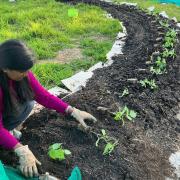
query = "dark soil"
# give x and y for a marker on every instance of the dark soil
(144, 145)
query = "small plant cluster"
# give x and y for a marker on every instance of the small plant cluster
(125, 113)
(160, 64)
(148, 83)
(125, 92)
(111, 142)
(57, 152)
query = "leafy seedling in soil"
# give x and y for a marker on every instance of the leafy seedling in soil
(169, 53)
(148, 83)
(125, 113)
(164, 23)
(159, 67)
(125, 92)
(171, 33)
(56, 152)
(170, 39)
(111, 142)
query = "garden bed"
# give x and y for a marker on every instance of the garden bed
(145, 144)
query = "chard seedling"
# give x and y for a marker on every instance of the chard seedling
(111, 142)
(56, 152)
(151, 83)
(125, 113)
(125, 92)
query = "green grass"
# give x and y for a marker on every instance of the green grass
(46, 28)
(171, 9)
(44, 25)
(51, 74)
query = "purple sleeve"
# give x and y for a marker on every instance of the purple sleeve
(43, 97)
(7, 140)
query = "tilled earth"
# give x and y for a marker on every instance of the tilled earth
(145, 144)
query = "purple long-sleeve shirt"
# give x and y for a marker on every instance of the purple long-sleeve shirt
(42, 96)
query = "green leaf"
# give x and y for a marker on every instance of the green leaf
(55, 146)
(108, 148)
(133, 114)
(67, 152)
(56, 154)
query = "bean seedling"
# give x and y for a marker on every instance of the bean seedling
(111, 142)
(56, 152)
(125, 113)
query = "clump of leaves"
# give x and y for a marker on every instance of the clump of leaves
(159, 66)
(164, 23)
(125, 113)
(56, 152)
(170, 39)
(125, 92)
(148, 83)
(111, 142)
(169, 53)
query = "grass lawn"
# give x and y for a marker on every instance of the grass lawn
(44, 25)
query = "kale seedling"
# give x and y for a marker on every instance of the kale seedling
(56, 152)
(125, 92)
(151, 83)
(111, 142)
(125, 113)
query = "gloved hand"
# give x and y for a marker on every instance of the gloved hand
(80, 116)
(27, 161)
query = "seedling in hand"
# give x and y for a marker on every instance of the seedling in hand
(125, 113)
(56, 152)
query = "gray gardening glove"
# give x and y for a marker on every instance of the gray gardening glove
(47, 177)
(80, 116)
(27, 161)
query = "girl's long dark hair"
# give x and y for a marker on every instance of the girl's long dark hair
(14, 55)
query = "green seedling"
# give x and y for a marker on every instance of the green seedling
(164, 24)
(170, 39)
(56, 152)
(148, 83)
(169, 42)
(111, 142)
(125, 92)
(125, 113)
(171, 33)
(159, 67)
(169, 53)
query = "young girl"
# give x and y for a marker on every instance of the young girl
(18, 90)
